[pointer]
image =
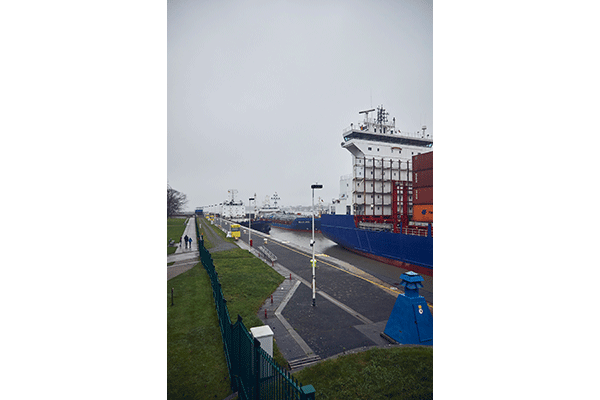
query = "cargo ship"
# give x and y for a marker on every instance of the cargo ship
(258, 222)
(385, 208)
(232, 208)
(235, 211)
(294, 222)
(259, 225)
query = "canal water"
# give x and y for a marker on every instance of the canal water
(302, 239)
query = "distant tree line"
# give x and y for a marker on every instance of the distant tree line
(175, 201)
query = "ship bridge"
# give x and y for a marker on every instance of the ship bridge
(380, 131)
(388, 138)
(382, 159)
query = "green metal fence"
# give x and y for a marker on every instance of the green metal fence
(253, 373)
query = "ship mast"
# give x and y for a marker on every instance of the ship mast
(275, 197)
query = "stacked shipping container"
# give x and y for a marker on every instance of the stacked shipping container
(423, 187)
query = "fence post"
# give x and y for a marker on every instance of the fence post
(256, 369)
(308, 392)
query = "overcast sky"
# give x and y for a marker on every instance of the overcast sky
(259, 92)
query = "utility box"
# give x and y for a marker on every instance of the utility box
(264, 334)
(411, 321)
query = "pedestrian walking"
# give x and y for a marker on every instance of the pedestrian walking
(186, 241)
(190, 239)
(180, 241)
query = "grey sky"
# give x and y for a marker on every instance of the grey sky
(260, 92)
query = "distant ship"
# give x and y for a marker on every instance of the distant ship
(281, 219)
(232, 208)
(385, 209)
(259, 225)
(294, 222)
(267, 208)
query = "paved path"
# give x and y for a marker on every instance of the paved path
(190, 231)
(183, 258)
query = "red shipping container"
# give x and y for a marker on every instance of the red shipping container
(423, 178)
(422, 162)
(423, 195)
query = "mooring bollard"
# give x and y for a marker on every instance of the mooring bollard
(266, 314)
(271, 299)
(411, 321)
(290, 277)
(171, 296)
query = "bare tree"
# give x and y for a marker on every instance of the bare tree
(175, 201)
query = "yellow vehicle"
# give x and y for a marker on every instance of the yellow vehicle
(235, 230)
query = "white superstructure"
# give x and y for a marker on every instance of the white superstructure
(232, 208)
(267, 208)
(380, 154)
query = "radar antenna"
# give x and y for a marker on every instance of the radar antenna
(366, 112)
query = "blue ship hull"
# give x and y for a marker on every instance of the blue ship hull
(261, 226)
(297, 224)
(404, 251)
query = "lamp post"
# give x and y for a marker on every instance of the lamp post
(312, 242)
(250, 219)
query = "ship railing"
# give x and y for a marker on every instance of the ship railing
(380, 163)
(417, 134)
(386, 223)
(416, 231)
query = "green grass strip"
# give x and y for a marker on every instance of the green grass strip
(175, 229)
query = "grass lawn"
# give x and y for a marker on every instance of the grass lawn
(246, 282)
(196, 366)
(175, 229)
(396, 373)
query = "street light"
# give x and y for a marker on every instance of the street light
(312, 242)
(250, 219)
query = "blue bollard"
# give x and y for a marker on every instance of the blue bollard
(411, 321)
